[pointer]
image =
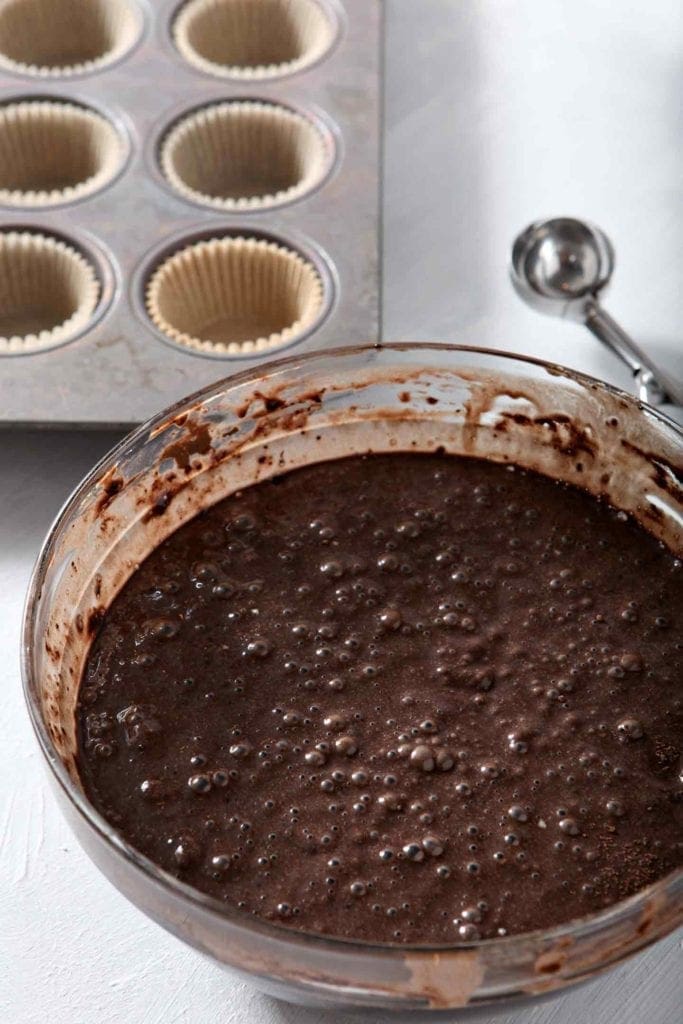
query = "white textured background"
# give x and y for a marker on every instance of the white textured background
(498, 111)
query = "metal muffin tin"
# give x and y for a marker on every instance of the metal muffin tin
(121, 369)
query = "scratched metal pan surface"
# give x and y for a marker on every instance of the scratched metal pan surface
(119, 368)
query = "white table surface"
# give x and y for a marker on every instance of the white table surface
(498, 111)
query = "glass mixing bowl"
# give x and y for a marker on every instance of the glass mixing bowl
(251, 426)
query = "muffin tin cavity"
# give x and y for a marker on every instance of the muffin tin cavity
(245, 155)
(65, 37)
(253, 39)
(49, 291)
(53, 152)
(235, 295)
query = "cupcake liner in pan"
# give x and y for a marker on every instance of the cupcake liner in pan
(221, 220)
(234, 295)
(253, 39)
(48, 291)
(242, 155)
(55, 152)
(66, 37)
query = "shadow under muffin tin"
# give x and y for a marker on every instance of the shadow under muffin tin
(185, 190)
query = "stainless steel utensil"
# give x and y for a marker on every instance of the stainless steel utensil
(559, 267)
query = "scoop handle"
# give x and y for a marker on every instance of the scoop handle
(654, 386)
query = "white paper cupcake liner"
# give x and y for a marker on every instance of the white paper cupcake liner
(53, 152)
(65, 37)
(244, 155)
(48, 291)
(234, 295)
(252, 39)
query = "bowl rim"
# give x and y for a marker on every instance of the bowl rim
(615, 913)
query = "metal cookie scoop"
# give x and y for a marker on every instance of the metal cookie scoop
(559, 267)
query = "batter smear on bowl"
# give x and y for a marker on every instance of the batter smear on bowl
(402, 698)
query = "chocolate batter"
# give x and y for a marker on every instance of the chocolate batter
(401, 698)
